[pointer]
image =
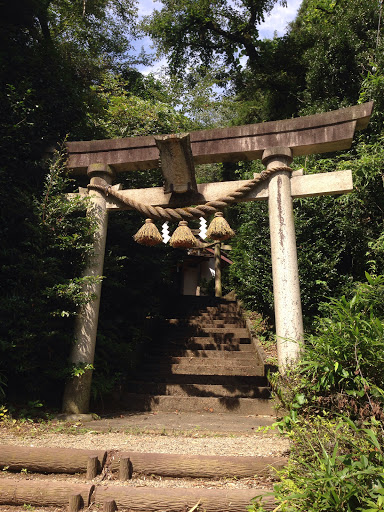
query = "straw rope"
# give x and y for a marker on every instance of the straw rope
(188, 213)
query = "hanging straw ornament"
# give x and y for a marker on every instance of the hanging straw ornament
(183, 237)
(148, 234)
(219, 229)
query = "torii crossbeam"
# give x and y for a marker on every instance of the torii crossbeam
(276, 144)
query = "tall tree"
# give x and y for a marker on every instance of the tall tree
(207, 33)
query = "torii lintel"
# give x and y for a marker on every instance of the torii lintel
(319, 133)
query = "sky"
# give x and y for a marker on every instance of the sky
(276, 21)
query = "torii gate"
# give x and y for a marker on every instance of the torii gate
(276, 143)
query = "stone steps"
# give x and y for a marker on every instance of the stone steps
(225, 337)
(208, 343)
(197, 379)
(213, 390)
(203, 361)
(209, 348)
(148, 402)
(207, 323)
(164, 369)
(201, 354)
(206, 357)
(232, 331)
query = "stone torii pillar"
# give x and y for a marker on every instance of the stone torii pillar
(285, 270)
(78, 388)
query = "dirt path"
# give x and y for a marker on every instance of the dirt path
(209, 434)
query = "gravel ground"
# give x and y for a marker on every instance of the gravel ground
(236, 445)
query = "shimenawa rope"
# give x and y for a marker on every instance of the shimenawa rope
(178, 214)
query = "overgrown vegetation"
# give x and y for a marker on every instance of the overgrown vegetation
(43, 292)
(334, 399)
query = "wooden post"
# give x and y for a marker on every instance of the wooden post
(92, 467)
(75, 502)
(218, 288)
(109, 506)
(78, 388)
(125, 469)
(285, 271)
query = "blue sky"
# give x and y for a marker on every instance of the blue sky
(276, 21)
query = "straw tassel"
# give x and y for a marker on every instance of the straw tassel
(219, 229)
(148, 234)
(183, 237)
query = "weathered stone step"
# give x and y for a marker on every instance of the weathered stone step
(224, 306)
(232, 381)
(197, 327)
(203, 323)
(207, 312)
(210, 344)
(178, 338)
(235, 359)
(164, 369)
(228, 317)
(166, 353)
(236, 332)
(200, 349)
(212, 317)
(214, 390)
(143, 402)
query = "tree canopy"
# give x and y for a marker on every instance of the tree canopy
(207, 33)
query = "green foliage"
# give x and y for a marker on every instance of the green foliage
(118, 113)
(342, 363)
(336, 236)
(334, 397)
(79, 369)
(251, 273)
(334, 466)
(338, 37)
(202, 33)
(42, 291)
(57, 67)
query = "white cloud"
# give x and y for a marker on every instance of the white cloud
(155, 69)
(279, 19)
(146, 7)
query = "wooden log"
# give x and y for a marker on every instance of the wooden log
(75, 503)
(199, 466)
(42, 492)
(173, 500)
(125, 468)
(109, 506)
(48, 460)
(92, 467)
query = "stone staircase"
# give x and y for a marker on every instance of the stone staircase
(204, 360)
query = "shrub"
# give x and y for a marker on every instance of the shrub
(342, 366)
